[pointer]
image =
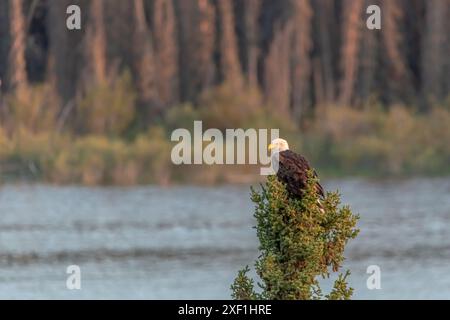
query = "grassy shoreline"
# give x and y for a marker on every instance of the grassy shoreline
(371, 141)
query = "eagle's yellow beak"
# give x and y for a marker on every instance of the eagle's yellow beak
(270, 147)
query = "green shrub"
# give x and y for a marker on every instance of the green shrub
(377, 142)
(108, 109)
(33, 108)
(299, 242)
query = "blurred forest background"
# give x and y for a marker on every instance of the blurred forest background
(97, 105)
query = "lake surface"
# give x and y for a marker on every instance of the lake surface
(189, 242)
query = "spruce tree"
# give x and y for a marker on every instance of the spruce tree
(300, 242)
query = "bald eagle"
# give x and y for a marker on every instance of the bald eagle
(293, 170)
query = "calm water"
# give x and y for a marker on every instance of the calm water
(189, 242)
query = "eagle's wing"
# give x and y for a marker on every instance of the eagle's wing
(293, 170)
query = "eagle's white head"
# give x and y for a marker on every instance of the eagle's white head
(278, 145)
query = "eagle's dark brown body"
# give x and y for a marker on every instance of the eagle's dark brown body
(293, 171)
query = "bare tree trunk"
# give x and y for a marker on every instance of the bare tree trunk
(252, 13)
(95, 45)
(301, 60)
(391, 36)
(166, 49)
(4, 43)
(64, 54)
(17, 72)
(398, 79)
(366, 77)
(435, 62)
(197, 41)
(144, 60)
(324, 16)
(277, 80)
(230, 65)
(351, 28)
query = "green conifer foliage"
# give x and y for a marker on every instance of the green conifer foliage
(300, 242)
